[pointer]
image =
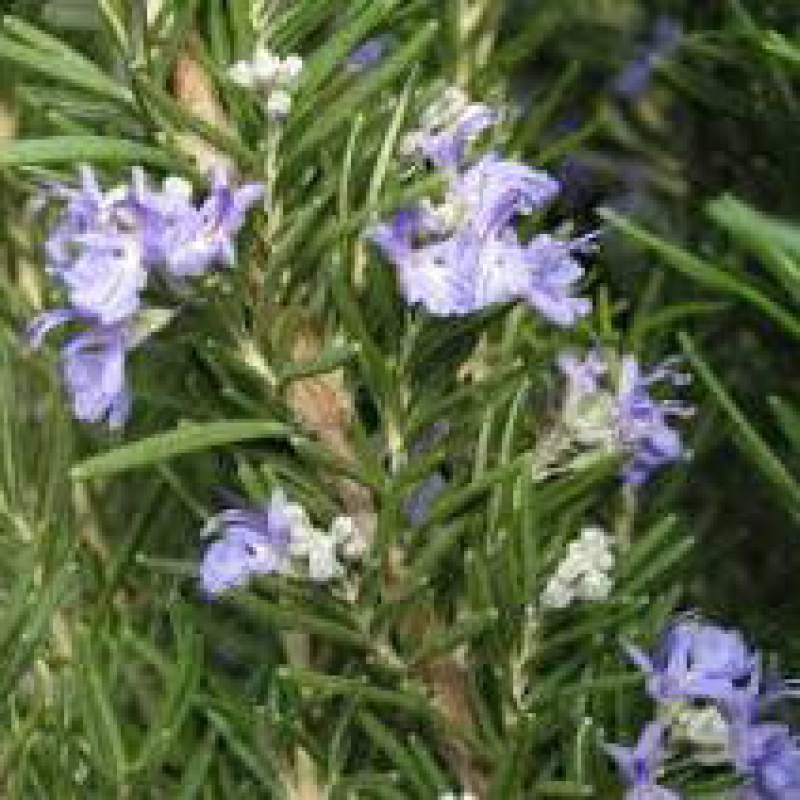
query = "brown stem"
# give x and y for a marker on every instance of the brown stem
(194, 91)
(324, 405)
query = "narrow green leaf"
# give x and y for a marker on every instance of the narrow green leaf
(76, 149)
(359, 96)
(44, 63)
(789, 419)
(196, 770)
(188, 438)
(385, 739)
(703, 272)
(746, 436)
(356, 688)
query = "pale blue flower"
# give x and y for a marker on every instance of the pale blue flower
(696, 661)
(102, 249)
(614, 411)
(439, 275)
(464, 273)
(95, 251)
(768, 756)
(85, 208)
(495, 191)
(189, 239)
(107, 277)
(554, 274)
(92, 366)
(640, 765)
(643, 421)
(447, 128)
(368, 54)
(254, 541)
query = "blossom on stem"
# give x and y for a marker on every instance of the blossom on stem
(200, 237)
(276, 537)
(493, 192)
(584, 573)
(768, 756)
(102, 250)
(254, 542)
(466, 272)
(696, 661)
(447, 127)
(613, 411)
(272, 77)
(92, 366)
(640, 765)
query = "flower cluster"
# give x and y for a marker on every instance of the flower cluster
(103, 250)
(609, 409)
(465, 254)
(274, 79)
(277, 537)
(584, 573)
(710, 684)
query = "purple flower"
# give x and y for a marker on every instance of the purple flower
(447, 129)
(639, 765)
(554, 271)
(439, 275)
(768, 755)
(189, 240)
(107, 277)
(105, 243)
(635, 77)
(368, 54)
(643, 421)
(92, 365)
(94, 250)
(494, 191)
(622, 417)
(584, 377)
(86, 208)
(696, 661)
(254, 542)
(465, 256)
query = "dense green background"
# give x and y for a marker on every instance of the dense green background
(118, 679)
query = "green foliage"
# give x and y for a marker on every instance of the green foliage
(119, 679)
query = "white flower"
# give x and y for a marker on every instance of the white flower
(265, 68)
(594, 586)
(445, 110)
(557, 594)
(583, 574)
(272, 77)
(241, 74)
(178, 187)
(323, 564)
(290, 69)
(350, 538)
(279, 104)
(706, 729)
